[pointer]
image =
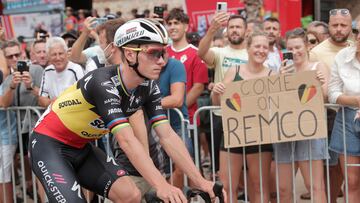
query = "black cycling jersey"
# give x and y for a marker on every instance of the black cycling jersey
(97, 104)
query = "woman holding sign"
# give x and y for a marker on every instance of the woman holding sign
(299, 151)
(258, 49)
(344, 89)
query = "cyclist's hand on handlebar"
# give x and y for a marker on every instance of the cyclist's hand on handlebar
(208, 186)
(169, 193)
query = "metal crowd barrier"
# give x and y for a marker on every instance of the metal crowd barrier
(185, 125)
(30, 112)
(326, 161)
(26, 112)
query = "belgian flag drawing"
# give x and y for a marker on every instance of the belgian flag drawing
(306, 93)
(234, 103)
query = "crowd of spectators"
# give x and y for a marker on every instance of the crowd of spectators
(232, 49)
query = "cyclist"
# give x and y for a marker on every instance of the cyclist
(101, 101)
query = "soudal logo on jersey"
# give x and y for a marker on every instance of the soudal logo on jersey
(71, 102)
(97, 124)
(130, 30)
(131, 36)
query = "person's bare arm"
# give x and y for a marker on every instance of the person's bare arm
(44, 101)
(76, 55)
(3, 65)
(193, 94)
(176, 97)
(323, 75)
(8, 96)
(219, 88)
(204, 51)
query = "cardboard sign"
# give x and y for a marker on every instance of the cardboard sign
(273, 109)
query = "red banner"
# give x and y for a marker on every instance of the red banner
(7, 26)
(201, 12)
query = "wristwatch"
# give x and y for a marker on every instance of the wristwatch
(31, 87)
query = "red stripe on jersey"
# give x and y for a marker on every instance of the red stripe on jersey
(158, 119)
(52, 126)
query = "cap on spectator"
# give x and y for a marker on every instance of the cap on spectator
(70, 34)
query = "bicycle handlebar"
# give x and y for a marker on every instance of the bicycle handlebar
(151, 197)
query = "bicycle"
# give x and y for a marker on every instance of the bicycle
(150, 197)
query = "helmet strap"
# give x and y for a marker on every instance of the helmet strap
(135, 66)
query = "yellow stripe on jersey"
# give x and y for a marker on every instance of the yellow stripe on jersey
(115, 129)
(157, 123)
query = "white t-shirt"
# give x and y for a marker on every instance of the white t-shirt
(225, 58)
(53, 83)
(273, 60)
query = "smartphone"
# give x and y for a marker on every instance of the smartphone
(159, 10)
(289, 56)
(221, 6)
(242, 13)
(99, 21)
(22, 66)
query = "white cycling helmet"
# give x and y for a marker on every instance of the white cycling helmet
(140, 31)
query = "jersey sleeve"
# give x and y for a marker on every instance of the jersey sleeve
(200, 71)
(153, 108)
(107, 101)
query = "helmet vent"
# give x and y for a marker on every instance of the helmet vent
(148, 28)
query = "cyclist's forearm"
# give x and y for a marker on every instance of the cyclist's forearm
(177, 151)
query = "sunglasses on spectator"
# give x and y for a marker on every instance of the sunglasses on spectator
(154, 53)
(312, 41)
(355, 31)
(17, 55)
(295, 32)
(343, 11)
